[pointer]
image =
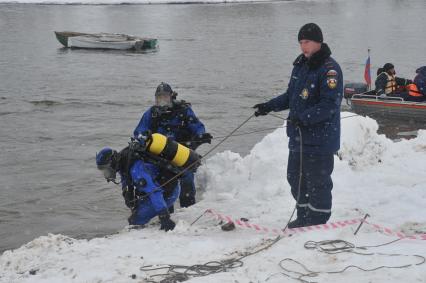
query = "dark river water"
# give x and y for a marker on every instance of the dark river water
(58, 106)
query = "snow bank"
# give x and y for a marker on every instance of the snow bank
(373, 174)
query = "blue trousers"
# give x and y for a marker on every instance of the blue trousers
(314, 204)
(187, 194)
(145, 211)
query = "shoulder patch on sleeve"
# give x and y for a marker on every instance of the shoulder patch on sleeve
(332, 79)
(331, 73)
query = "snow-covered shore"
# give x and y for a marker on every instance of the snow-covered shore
(374, 175)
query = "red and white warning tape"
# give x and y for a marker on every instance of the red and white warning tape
(400, 235)
(328, 226)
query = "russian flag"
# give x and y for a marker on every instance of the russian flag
(367, 74)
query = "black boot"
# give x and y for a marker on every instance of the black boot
(300, 221)
(186, 201)
(317, 218)
(187, 194)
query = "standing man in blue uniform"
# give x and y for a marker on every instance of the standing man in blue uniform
(313, 97)
(176, 120)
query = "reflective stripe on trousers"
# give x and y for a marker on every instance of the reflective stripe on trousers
(309, 206)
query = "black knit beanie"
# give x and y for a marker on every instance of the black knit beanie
(388, 66)
(310, 31)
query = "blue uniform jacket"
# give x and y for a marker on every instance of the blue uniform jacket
(170, 128)
(143, 175)
(420, 79)
(313, 96)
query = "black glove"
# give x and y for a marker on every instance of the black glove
(206, 138)
(295, 122)
(262, 109)
(166, 223)
(200, 139)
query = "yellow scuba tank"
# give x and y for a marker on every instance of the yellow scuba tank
(172, 151)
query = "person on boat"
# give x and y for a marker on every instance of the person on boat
(176, 120)
(314, 95)
(420, 79)
(140, 181)
(417, 90)
(387, 84)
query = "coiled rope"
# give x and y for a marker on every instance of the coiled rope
(180, 273)
(336, 247)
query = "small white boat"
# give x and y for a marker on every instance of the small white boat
(105, 41)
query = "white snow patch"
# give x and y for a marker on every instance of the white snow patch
(375, 175)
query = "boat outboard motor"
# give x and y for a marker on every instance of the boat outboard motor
(354, 88)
